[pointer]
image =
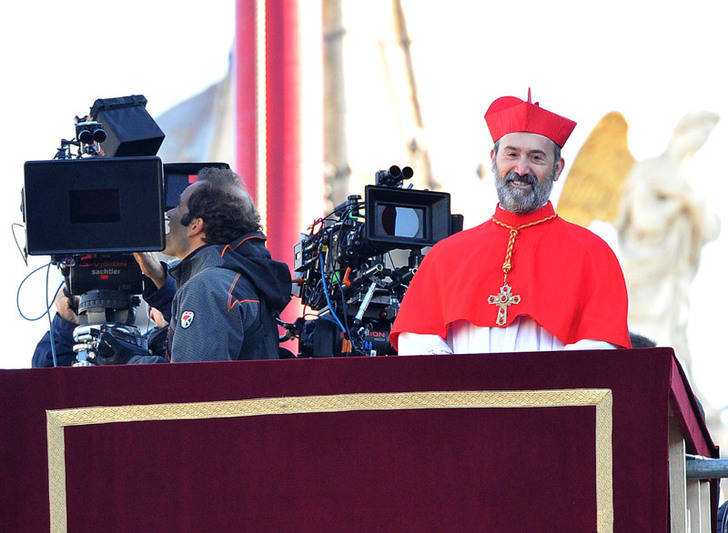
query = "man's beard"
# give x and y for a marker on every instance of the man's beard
(523, 201)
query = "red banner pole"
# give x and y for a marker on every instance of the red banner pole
(272, 95)
(245, 97)
(268, 114)
(283, 114)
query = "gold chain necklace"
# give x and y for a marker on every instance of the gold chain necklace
(505, 297)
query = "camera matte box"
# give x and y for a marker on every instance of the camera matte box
(427, 220)
(104, 204)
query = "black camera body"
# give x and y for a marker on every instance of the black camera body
(88, 215)
(108, 272)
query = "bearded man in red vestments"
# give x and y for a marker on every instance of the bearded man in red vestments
(525, 280)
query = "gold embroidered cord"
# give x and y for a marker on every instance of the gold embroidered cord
(507, 266)
(505, 297)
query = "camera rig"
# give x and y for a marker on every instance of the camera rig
(355, 265)
(89, 212)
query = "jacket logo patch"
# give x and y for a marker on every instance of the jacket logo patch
(186, 320)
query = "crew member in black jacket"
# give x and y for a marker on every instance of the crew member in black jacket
(229, 288)
(225, 290)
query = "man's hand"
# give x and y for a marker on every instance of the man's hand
(113, 351)
(66, 306)
(151, 267)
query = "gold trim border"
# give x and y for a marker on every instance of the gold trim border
(59, 419)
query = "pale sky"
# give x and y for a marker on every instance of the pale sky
(57, 60)
(652, 61)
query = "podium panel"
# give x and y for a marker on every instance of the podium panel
(559, 441)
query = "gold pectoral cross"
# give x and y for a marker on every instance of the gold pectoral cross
(503, 299)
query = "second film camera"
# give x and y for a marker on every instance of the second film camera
(356, 264)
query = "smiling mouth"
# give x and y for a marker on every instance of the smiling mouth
(518, 184)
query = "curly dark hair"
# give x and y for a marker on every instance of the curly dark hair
(222, 202)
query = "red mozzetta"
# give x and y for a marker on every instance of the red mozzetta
(568, 279)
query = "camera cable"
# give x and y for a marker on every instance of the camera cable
(23, 254)
(328, 300)
(345, 312)
(47, 309)
(48, 314)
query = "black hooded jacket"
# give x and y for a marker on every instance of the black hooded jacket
(224, 307)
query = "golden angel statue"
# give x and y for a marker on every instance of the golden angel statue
(662, 222)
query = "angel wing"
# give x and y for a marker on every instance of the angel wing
(593, 188)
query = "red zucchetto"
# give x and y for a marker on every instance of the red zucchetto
(509, 114)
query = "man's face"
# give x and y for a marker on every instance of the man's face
(177, 241)
(525, 169)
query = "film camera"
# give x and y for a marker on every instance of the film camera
(346, 267)
(90, 209)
